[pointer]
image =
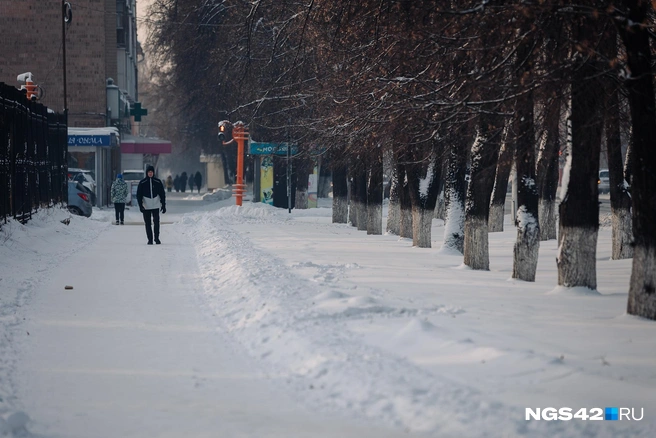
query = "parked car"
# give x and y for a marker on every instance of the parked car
(132, 178)
(84, 177)
(79, 200)
(604, 181)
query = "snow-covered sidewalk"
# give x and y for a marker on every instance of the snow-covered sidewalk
(131, 352)
(260, 323)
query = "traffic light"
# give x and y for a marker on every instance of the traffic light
(222, 133)
(31, 89)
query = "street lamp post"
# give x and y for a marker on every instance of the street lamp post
(240, 135)
(67, 17)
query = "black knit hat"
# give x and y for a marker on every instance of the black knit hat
(149, 168)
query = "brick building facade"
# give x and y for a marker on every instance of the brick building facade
(100, 37)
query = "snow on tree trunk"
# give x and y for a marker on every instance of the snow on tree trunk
(527, 246)
(340, 195)
(642, 289)
(484, 155)
(579, 209)
(454, 227)
(394, 208)
(375, 194)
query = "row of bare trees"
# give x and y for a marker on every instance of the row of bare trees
(432, 89)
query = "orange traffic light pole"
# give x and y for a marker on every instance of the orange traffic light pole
(240, 135)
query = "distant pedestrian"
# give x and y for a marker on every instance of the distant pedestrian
(176, 182)
(151, 197)
(198, 179)
(191, 182)
(169, 183)
(119, 194)
(183, 182)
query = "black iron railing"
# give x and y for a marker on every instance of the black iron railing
(33, 156)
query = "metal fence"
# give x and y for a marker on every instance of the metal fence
(33, 156)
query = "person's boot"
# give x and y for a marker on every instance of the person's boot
(121, 222)
(150, 242)
(157, 241)
(116, 222)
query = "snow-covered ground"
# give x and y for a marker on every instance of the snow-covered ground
(255, 322)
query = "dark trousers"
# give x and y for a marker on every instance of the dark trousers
(119, 208)
(147, 214)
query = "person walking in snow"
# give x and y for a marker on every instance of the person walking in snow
(119, 194)
(198, 178)
(151, 198)
(191, 182)
(169, 183)
(183, 182)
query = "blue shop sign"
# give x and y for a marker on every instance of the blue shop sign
(89, 140)
(271, 149)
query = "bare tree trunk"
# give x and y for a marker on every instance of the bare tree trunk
(302, 182)
(375, 194)
(500, 190)
(579, 209)
(394, 208)
(620, 200)
(547, 169)
(440, 205)
(340, 195)
(635, 34)
(361, 193)
(454, 227)
(423, 182)
(405, 219)
(527, 246)
(354, 202)
(484, 163)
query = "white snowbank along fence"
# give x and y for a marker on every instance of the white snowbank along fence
(33, 149)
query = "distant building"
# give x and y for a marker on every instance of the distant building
(101, 44)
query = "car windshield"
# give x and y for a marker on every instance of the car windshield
(133, 176)
(603, 174)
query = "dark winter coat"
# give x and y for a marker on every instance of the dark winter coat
(151, 194)
(198, 179)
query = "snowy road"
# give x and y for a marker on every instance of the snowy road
(129, 352)
(252, 322)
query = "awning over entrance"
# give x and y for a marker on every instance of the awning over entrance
(142, 145)
(94, 137)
